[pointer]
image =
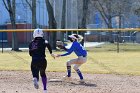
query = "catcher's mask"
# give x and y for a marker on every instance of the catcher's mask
(38, 33)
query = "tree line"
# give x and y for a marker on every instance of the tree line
(108, 9)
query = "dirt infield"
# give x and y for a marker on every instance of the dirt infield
(21, 82)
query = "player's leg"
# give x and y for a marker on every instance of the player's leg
(79, 62)
(73, 61)
(68, 64)
(43, 74)
(35, 73)
(76, 68)
(68, 69)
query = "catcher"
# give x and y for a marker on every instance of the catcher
(79, 51)
(37, 52)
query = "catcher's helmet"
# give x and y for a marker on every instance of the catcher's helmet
(38, 33)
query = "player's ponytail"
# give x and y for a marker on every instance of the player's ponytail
(80, 38)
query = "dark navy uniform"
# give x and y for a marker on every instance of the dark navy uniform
(37, 52)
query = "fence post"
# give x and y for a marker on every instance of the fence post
(2, 42)
(118, 41)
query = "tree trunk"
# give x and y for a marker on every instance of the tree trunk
(14, 34)
(110, 26)
(84, 16)
(34, 23)
(33, 10)
(110, 22)
(63, 20)
(52, 24)
(106, 15)
(11, 10)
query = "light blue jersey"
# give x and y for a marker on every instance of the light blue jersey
(77, 48)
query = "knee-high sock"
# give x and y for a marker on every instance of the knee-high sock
(69, 71)
(44, 81)
(79, 73)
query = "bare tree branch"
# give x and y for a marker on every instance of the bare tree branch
(102, 12)
(5, 5)
(29, 4)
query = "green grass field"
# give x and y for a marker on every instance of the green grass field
(102, 59)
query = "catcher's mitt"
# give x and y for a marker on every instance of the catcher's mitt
(60, 44)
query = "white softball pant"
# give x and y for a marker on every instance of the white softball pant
(77, 62)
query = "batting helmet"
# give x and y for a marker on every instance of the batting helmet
(38, 33)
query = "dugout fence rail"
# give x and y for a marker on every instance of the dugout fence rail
(116, 33)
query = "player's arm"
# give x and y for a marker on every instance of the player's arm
(49, 48)
(65, 48)
(69, 51)
(30, 49)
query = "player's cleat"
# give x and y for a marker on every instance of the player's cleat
(35, 83)
(45, 91)
(66, 78)
(82, 81)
